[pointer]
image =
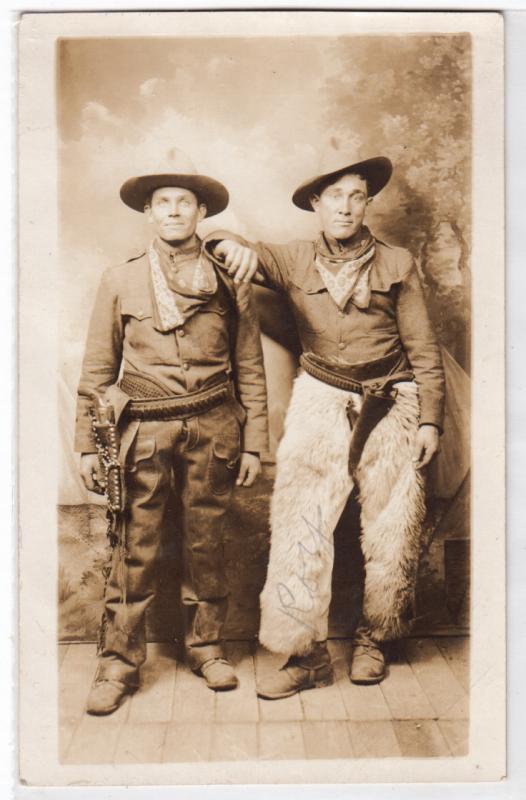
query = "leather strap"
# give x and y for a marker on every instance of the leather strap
(180, 406)
(327, 376)
(214, 660)
(374, 380)
(352, 377)
(311, 672)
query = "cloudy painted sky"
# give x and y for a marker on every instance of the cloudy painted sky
(259, 114)
(248, 112)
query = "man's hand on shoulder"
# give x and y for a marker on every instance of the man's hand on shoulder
(241, 262)
(249, 469)
(427, 445)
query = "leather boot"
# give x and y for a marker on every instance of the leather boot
(106, 695)
(218, 674)
(368, 663)
(309, 671)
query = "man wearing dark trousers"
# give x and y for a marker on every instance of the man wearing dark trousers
(175, 348)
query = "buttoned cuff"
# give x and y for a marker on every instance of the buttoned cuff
(254, 440)
(209, 241)
(434, 425)
(432, 412)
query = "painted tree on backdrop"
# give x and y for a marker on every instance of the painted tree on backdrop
(410, 99)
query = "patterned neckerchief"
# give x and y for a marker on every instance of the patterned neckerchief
(182, 281)
(346, 274)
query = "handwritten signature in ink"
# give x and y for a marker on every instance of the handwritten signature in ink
(287, 599)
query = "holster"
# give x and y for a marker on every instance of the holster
(374, 380)
(376, 403)
(107, 440)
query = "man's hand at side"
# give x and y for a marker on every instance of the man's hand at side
(426, 445)
(241, 262)
(249, 469)
(91, 473)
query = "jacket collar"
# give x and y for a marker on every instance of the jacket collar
(384, 271)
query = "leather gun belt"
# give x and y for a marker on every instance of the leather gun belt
(356, 377)
(372, 379)
(150, 401)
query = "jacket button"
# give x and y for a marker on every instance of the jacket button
(341, 346)
(186, 365)
(180, 331)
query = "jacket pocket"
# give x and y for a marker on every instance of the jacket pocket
(312, 309)
(209, 327)
(135, 307)
(223, 465)
(140, 334)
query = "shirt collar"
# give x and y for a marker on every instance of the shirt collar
(186, 249)
(345, 248)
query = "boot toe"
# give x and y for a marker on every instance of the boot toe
(367, 673)
(368, 666)
(368, 662)
(106, 696)
(219, 675)
(291, 679)
(277, 685)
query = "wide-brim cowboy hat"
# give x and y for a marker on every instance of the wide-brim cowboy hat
(179, 171)
(376, 171)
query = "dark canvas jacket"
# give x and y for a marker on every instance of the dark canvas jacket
(396, 317)
(122, 332)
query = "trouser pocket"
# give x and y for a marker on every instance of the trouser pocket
(223, 465)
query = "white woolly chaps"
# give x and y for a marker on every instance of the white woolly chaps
(311, 488)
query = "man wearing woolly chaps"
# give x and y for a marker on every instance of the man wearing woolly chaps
(366, 413)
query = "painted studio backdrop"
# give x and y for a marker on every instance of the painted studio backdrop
(260, 115)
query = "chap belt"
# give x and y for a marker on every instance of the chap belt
(372, 374)
(374, 380)
(151, 401)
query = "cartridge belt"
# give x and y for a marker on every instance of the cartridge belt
(150, 401)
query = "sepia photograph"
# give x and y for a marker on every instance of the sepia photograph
(266, 269)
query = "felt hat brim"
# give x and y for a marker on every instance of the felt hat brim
(376, 171)
(136, 192)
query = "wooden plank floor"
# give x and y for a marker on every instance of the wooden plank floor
(421, 709)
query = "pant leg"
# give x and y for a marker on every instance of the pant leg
(122, 645)
(392, 497)
(310, 491)
(210, 466)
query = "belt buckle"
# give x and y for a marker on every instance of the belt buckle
(378, 389)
